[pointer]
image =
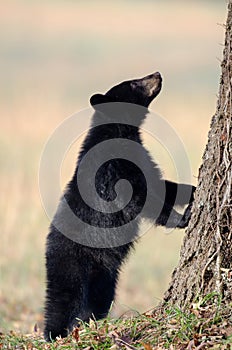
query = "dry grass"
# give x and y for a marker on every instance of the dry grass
(53, 56)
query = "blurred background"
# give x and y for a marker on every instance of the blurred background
(54, 55)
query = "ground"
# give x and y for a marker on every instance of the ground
(207, 326)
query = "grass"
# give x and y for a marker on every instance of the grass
(207, 325)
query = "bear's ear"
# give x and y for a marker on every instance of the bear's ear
(98, 99)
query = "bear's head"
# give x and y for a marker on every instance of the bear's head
(139, 91)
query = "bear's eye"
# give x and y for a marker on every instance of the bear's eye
(133, 85)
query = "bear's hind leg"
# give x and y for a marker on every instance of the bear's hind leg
(57, 314)
(66, 295)
(102, 286)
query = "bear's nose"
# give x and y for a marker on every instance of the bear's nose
(155, 75)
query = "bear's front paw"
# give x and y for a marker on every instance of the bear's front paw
(186, 217)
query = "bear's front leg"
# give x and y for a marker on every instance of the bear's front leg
(178, 194)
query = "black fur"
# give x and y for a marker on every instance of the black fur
(81, 280)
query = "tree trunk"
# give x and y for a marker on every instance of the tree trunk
(205, 264)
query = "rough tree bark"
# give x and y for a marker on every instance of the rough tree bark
(205, 264)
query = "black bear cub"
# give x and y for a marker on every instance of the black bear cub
(81, 278)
